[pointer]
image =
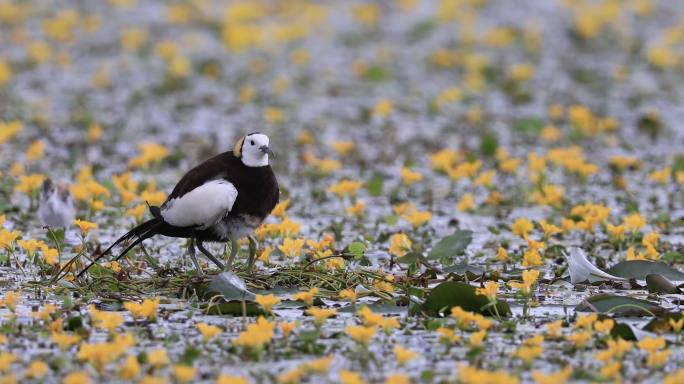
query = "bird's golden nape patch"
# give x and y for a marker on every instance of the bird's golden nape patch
(237, 151)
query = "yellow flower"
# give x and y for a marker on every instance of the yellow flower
(662, 176)
(158, 357)
(256, 335)
(651, 344)
(29, 183)
(418, 218)
(149, 153)
(490, 289)
(345, 188)
(528, 353)
(307, 297)
(502, 254)
(485, 178)
(356, 209)
(361, 334)
(5, 72)
(147, 309)
(448, 336)
(553, 329)
(132, 38)
(468, 374)
(444, 159)
(477, 338)
(560, 377)
(105, 320)
(522, 72)
(383, 108)
(532, 258)
(410, 177)
(149, 379)
(183, 373)
(348, 377)
(37, 370)
(510, 165)
(320, 365)
(404, 355)
(529, 277)
(129, 369)
(580, 339)
(522, 227)
(10, 129)
(550, 133)
(676, 325)
(31, 245)
(586, 321)
(292, 247)
(78, 377)
(267, 301)
(10, 300)
(548, 194)
(604, 326)
(348, 294)
(400, 244)
(617, 232)
(7, 238)
(274, 115)
(84, 226)
(36, 150)
(137, 212)
(634, 222)
(611, 370)
(467, 203)
(287, 327)
(229, 379)
(6, 361)
(64, 340)
(320, 314)
(208, 331)
(99, 354)
(342, 147)
(657, 359)
(281, 208)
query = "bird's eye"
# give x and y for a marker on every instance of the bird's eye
(251, 142)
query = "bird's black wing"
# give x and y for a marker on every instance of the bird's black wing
(211, 169)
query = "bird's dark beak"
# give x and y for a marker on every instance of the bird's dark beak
(266, 149)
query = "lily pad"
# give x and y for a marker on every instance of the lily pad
(661, 324)
(623, 331)
(638, 269)
(452, 245)
(619, 305)
(234, 308)
(659, 284)
(453, 294)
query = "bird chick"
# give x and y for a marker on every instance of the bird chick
(55, 205)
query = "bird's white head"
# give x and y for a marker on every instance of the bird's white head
(253, 150)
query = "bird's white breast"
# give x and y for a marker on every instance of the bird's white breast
(54, 212)
(203, 206)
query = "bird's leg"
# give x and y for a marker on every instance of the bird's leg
(252, 253)
(191, 252)
(209, 255)
(233, 251)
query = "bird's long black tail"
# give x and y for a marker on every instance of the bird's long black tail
(142, 232)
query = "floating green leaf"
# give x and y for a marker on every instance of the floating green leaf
(659, 284)
(619, 305)
(452, 294)
(638, 269)
(453, 245)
